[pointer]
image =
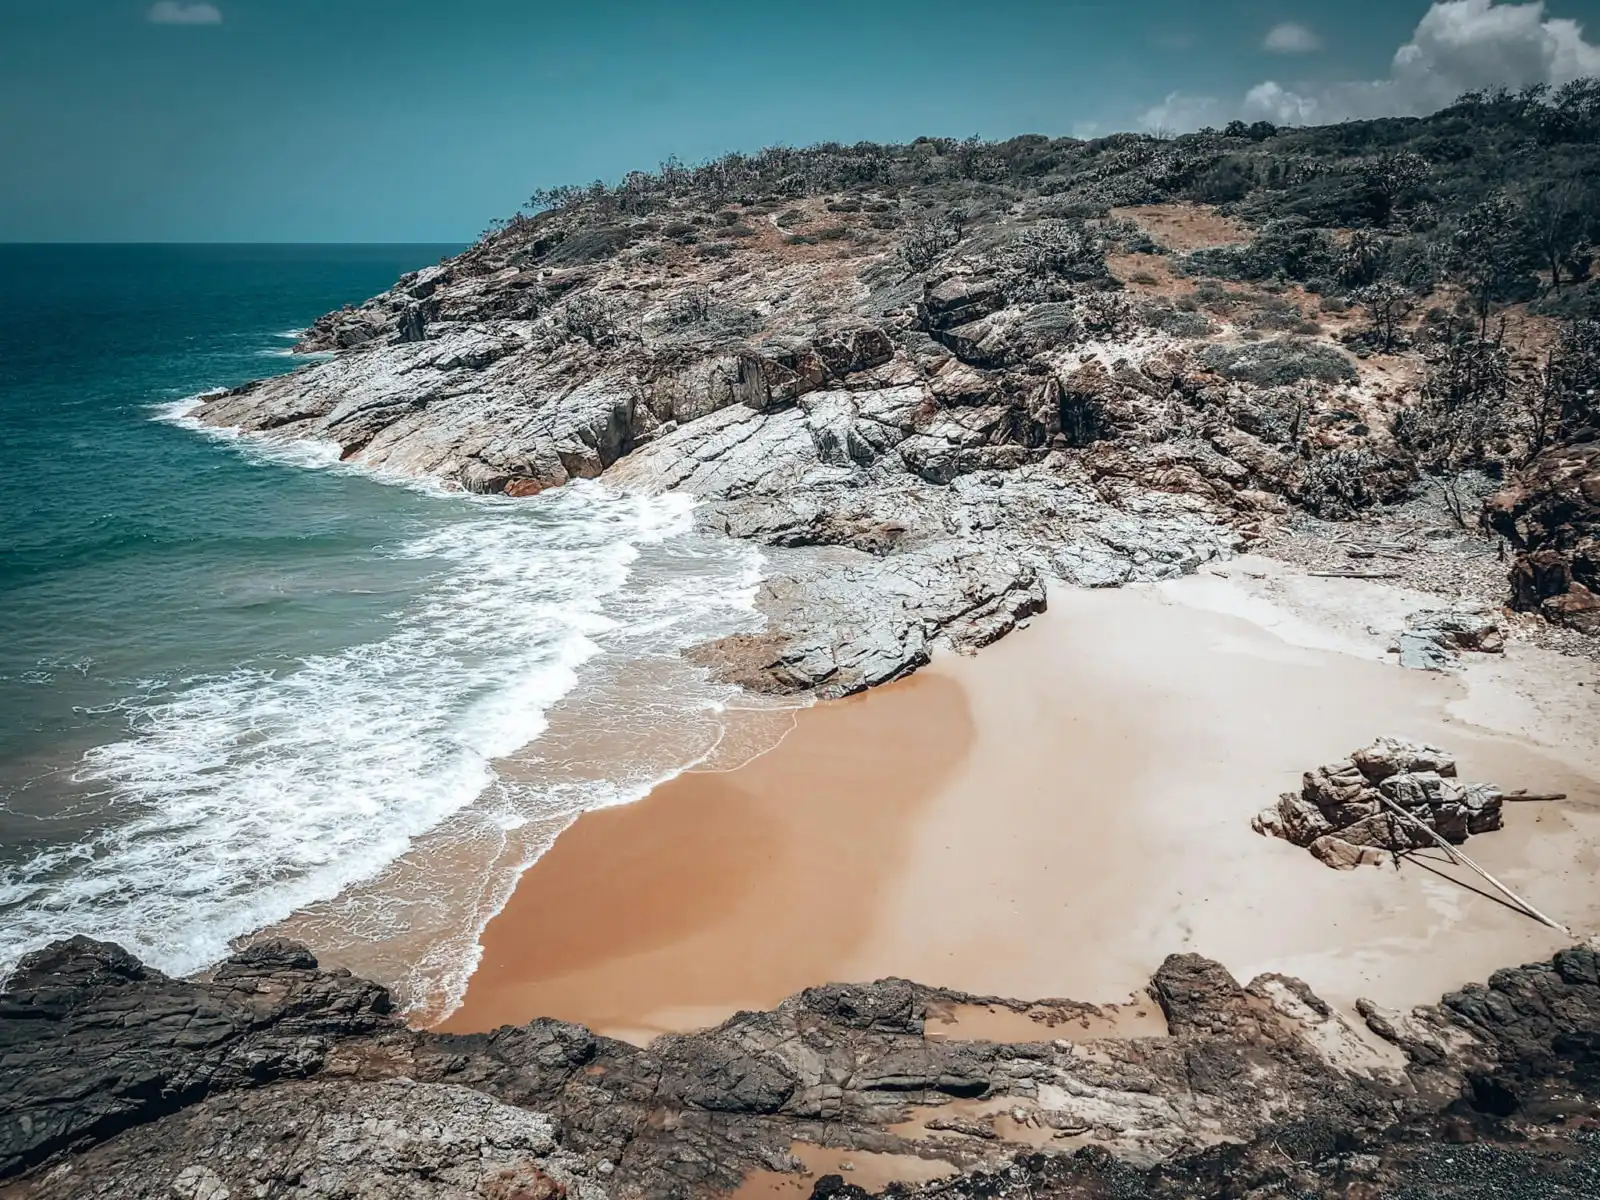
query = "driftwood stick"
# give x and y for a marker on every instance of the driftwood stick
(1527, 797)
(1456, 854)
(1356, 574)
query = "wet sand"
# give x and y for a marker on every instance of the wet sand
(1056, 815)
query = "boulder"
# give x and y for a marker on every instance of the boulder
(776, 373)
(959, 300)
(1341, 855)
(93, 1042)
(1391, 756)
(1334, 785)
(1482, 803)
(1432, 639)
(1343, 812)
(1301, 821)
(1414, 789)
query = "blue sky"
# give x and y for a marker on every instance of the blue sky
(360, 120)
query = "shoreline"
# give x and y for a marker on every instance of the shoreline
(1086, 783)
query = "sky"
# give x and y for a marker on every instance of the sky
(422, 120)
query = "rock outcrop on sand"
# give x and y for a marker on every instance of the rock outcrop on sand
(1550, 514)
(1367, 808)
(1434, 639)
(274, 1077)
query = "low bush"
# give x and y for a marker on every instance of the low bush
(1337, 484)
(1178, 322)
(1279, 362)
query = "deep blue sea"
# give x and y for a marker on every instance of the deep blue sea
(243, 686)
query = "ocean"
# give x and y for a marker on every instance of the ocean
(246, 688)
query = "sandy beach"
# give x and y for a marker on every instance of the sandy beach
(1055, 815)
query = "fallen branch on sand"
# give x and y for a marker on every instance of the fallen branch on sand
(1457, 856)
(1355, 574)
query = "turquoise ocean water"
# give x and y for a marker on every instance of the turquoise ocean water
(244, 687)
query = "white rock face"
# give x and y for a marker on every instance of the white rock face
(909, 491)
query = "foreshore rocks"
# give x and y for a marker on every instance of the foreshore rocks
(93, 1042)
(273, 1077)
(1367, 808)
(1433, 639)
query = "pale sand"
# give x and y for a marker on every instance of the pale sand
(1059, 813)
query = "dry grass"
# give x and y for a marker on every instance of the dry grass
(1185, 227)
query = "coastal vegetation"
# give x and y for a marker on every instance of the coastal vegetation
(1461, 244)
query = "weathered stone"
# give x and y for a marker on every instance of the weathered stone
(93, 1042)
(1334, 851)
(1333, 785)
(1414, 789)
(1342, 813)
(1432, 639)
(549, 1111)
(1301, 821)
(1391, 756)
(1550, 513)
(961, 299)
(1482, 803)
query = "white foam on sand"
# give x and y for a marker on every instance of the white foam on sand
(243, 798)
(639, 715)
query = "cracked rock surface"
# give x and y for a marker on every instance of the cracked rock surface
(1345, 812)
(274, 1077)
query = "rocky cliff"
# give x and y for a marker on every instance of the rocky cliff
(928, 376)
(916, 449)
(273, 1077)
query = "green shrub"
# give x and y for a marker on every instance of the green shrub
(1178, 323)
(1279, 362)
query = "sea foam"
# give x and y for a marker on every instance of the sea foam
(238, 799)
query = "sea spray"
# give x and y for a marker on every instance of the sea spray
(243, 695)
(244, 796)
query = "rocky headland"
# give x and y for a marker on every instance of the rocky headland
(927, 379)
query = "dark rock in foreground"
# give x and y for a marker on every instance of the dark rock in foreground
(274, 1077)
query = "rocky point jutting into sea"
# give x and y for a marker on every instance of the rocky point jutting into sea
(925, 380)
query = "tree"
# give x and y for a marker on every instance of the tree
(1336, 484)
(1046, 259)
(1465, 412)
(1560, 401)
(1362, 259)
(1391, 178)
(691, 306)
(1489, 254)
(924, 242)
(1387, 305)
(1574, 368)
(1556, 212)
(595, 319)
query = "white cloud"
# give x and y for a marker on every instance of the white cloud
(175, 12)
(1269, 102)
(1291, 38)
(1458, 46)
(1180, 112)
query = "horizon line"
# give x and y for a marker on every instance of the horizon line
(257, 242)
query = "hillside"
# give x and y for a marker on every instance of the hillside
(970, 365)
(927, 380)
